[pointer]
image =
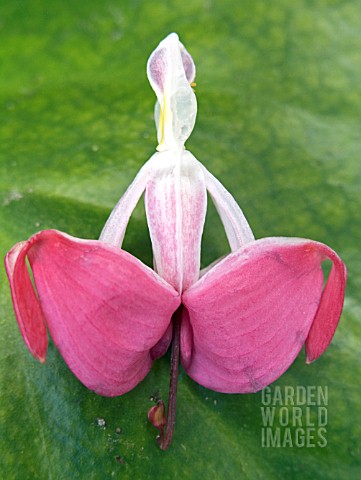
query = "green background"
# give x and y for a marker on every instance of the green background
(279, 97)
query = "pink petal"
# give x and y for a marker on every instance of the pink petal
(250, 314)
(330, 308)
(188, 64)
(105, 310)
(26, 305)
(164, 62)
(176, 201)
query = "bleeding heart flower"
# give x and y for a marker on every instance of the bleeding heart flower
(237, 325)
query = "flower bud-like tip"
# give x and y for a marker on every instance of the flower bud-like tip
(171, 71)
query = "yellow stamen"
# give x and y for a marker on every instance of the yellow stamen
(162, 121)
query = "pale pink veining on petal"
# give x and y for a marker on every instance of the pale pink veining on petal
(104, 309)
(251, 314)
(176, 201)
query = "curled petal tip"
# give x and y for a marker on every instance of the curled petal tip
(330, 307)
(26, 303)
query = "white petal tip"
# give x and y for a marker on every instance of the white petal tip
(170, 71)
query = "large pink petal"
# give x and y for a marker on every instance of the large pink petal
(249, 316)
(105, 310)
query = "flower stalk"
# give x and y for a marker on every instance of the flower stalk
(166, 423)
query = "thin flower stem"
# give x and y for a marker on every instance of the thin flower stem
(164, 441)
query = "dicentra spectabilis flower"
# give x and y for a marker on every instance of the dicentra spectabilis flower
(237, 325)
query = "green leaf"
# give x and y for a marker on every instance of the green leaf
(278, 88)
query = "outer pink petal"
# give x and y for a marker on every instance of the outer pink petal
(26, 305)
(105, 310)
(249, 316)
(330, 308)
